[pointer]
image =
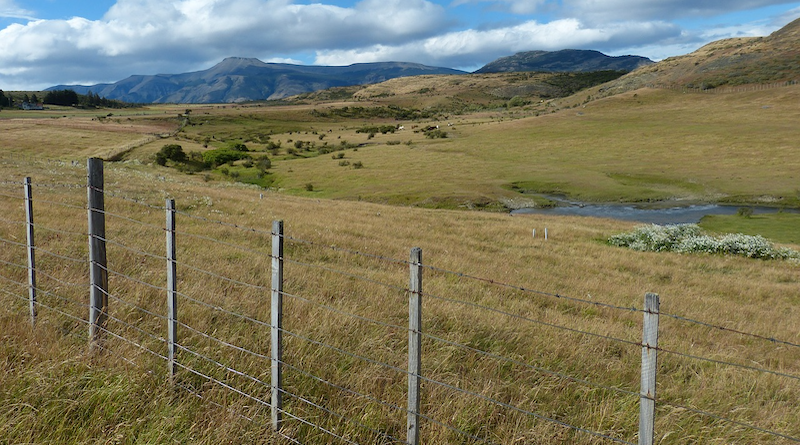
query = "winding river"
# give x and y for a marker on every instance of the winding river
(661, 216)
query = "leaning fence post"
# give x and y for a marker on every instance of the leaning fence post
(98, 272)
(172, 290)
(414, 346)
(647, 395)
(277, 324)
(31, 250)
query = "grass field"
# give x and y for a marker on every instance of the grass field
(647, 146)
(653, 145)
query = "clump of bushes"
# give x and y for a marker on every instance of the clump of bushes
(220, 156)
(689, 238)
(170, 152)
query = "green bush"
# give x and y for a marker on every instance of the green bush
(171, 152)
(221, 156)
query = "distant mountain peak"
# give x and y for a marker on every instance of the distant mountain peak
(239, 79)
(566, 60)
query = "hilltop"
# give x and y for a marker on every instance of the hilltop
(728, 62)
(568, 60)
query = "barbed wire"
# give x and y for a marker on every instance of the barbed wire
(127, 303)
(731, 330)
(60, 204)
(131, 342)
(722, 362)
(532, 367)
(530, 320)
(343, 352)
(140, 330)
(128, 219)
(61, 257)
(13, 221)
(39, 226)
(294, 239)
(13, 243)
(19, 266)
(131, 249)
(524, 411)
(223, 310)
(288, 365)
(20, 283)
(532, 291)
(345, 313)
(134, 200)
(130, 278)
(40, 273)
(56, 185)
(227, 368)
(724, 419)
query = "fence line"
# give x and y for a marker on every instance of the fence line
(100, 315)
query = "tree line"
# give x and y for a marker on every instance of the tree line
(67, 98)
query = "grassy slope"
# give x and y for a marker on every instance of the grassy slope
(108, 401)
(653, 145)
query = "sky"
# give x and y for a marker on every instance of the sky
(84, 42)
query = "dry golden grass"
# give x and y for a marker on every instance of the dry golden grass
(749, 295)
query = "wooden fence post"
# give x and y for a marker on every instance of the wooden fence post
(277, 325)
(647, 403)
(31, 250)
(172, 290)
(98, 273)
(414, 346)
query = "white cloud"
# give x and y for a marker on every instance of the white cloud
(470, 47)
(9, 9)
(597, 11)
(156, 35)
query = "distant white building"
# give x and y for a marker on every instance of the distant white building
(30, 106)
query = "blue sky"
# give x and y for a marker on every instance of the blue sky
(49, 42)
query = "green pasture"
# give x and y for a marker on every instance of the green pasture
(778, 227)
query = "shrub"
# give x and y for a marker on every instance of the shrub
(171, 152)
(238, 146)
(263, 163)
(309, 187)
(436, 134)
(221, 156)
(688, 238)
(358, 165)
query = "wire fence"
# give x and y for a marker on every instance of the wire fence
(339, 358)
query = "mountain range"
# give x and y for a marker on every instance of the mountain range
(237, 79)
(568, 60)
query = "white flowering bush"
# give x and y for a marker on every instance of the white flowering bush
(689, 238)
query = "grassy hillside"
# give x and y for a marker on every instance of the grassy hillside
(488, 334)
(647, 146)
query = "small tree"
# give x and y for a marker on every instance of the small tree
(172, 152)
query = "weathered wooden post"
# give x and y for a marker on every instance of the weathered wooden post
(31, 250)
(172, 290)
(647, 403)
(414, 346)
(98, 273)
(277, 325)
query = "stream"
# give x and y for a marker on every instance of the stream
(661, 216)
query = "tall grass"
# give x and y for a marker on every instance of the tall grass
(56, 393)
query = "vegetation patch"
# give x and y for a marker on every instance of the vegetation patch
(780, 227)
(690, 238)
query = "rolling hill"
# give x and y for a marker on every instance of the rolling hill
(568, 60)
(728, 62)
